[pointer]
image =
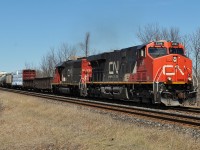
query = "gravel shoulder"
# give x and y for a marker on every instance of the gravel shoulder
(34, 123)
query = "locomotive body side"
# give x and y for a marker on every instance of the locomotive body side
(121, 74)
(156, 72)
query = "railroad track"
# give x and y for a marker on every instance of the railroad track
(185, 120)
(187, 110)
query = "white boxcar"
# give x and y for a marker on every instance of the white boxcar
(17, 80)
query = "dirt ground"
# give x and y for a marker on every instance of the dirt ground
(34, 123)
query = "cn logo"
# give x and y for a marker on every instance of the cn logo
(113, 67)
(172, 73)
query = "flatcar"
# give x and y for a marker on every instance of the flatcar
(156, 72)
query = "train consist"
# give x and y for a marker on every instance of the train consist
(156, 72)
(26, 79)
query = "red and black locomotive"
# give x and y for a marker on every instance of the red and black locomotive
(156, 72)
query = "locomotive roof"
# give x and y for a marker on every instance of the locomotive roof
(61, 64)
(141, 46)
(102, 56)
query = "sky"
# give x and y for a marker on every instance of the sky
(29, 28)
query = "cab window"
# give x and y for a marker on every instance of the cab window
(176, 51)
(157, 52)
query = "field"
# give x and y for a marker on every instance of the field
(34, 123)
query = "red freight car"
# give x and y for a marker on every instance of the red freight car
(28, 76)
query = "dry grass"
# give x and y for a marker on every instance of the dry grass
(1, 105)
(31, 123)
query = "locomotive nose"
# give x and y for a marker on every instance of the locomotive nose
(175, 69)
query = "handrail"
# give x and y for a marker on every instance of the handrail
(154, 80)
(157, 74)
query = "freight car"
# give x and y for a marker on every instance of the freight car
(23, 78)
(26, 79)
(156, 72)
(5, 79)
(43, 84)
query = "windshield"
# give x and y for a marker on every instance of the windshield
(176, 51)
(157, 52)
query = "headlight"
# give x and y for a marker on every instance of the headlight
(174, 59)
(169, 78)
(175, 44)
(189, 79)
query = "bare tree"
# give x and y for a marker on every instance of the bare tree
(85, 45)
(44, 66)
(149, 32)
(39, 73)
(29, 65)
(66, 52)
(53, 57)
(48, 63)
(195, 47)
(174, 34)
(62, 52)
(170, 34)
(153, 32)
(185, 40)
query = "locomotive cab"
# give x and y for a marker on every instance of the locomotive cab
(141, 53)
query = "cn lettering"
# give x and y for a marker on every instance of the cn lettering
(113, 67)
(172, 73)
